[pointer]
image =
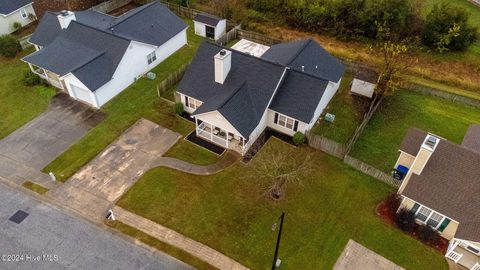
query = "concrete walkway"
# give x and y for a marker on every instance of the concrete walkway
(175, 239)
(228, 159)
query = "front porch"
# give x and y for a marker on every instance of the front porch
(463, 257)
(50, 77)
(220, 136)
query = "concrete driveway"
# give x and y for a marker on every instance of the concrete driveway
(98, 185)
(30, 148)
(71, 243)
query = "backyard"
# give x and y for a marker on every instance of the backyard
(227, 212)
(19, 103)
(348, 110)
(137, 101)
(378, 145)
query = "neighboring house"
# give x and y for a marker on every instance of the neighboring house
(94, 56)
(14, 11)
(235, 96)
(442, 186)
(209, 26)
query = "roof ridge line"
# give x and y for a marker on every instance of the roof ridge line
(101, 30)
(251, 100)
(308, 41)
(232, 94)
(133, 13)
(88, 62)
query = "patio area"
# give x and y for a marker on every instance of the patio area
(463, 257)
(220, 137)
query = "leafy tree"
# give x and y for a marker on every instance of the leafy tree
(9, 46)
(447, 28)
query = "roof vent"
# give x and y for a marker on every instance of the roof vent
(64, 12)
(223, 52)
(431, 141)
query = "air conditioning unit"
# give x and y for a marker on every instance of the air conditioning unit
(152, 76)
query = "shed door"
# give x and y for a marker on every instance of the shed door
(209, 32)
(82, 94)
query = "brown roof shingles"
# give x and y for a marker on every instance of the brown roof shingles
(472, 138)
(449, 183)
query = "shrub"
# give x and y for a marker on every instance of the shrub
(179, 108)
(447, 28)
(9, 46)
(405, 220)
(17, 25)
(32, 79)
(428, 235)
(392, 203)
(299, 138)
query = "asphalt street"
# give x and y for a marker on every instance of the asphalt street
(51, 239)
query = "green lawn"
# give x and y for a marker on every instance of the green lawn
(137, 101)
(35, 187)
(348, 111)
(227, 212)
(19, 104)
(379, 143)
(192, 153)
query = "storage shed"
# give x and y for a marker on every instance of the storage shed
(209, 26)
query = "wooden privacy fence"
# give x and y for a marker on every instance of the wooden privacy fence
(442, 94)
(171, 80)
(326, 145)
(110, 5)
(374, 172)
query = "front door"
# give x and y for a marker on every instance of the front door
(209, 32)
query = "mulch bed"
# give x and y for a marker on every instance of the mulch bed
(388, 217)
(192, 137)
(262, 139)
(187, 117)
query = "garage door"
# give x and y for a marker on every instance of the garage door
(82, 94)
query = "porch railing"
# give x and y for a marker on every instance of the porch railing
(476, 267)
(454, 256)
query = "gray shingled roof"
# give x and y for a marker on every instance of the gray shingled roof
(309, 56)
(207, 19)
(93, 45)
(472, 138)
(245, 94)
(153, 24)
(9, 6)
(299, 95)
(89, 54)
(249, 86)
(449, 183)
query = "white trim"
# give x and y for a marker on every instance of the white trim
(429, 216)
(476, 266)
(451, 219)
(454, 256)
(25, 7)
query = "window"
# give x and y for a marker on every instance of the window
(24, 14)
(427, 216)
(151, 57)
(285, 121)
(192, 103)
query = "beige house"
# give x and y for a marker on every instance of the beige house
(14, 11)
(441, 185)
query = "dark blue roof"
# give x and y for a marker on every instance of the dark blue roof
(92, 55)
(245, 94)
(9, 6)
(249, 87)
(308, 56)
(207, 19)
(92, 46)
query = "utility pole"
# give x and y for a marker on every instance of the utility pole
(274, 263)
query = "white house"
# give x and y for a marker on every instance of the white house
(209, 26)
(14, 11)
(94, 56)
(441, 185)
(235, 96)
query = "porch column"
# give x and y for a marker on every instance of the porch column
(211, 132)
(46, 75)
(196, 126)
(31, 67)
(226, 136)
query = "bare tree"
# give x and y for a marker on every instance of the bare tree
(275, 169)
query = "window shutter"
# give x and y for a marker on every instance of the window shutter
(295, 126)
(186, 101)
(275, 120)
(415, 207)
(444, 225)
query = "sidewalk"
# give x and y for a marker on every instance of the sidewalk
(228, 159)
(175, 239)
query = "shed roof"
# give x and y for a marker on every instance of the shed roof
(207, 19)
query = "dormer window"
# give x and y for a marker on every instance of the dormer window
(152, 57)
